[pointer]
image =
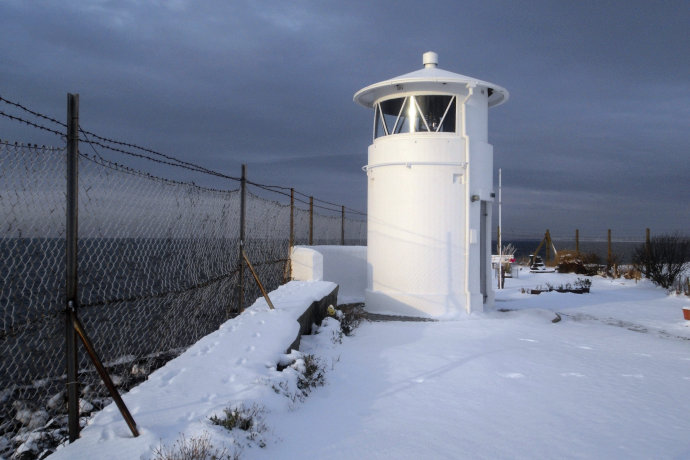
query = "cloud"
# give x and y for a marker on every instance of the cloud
(597, 113)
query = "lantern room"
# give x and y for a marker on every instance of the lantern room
(430, 189)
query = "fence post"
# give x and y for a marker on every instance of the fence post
(71, 232)
(609, 253)
(243, 210)
(311, 221)
(577, 242)
(292, 230)
(342, 225)
(647, 242)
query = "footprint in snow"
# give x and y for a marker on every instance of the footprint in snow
(251, 348)
(513, 375)
(205, 350)
(633, 376)
(170, 376)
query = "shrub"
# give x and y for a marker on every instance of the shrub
(313, 374)
(245, 418)
(192, 449)
(350, 319)
(663, 259)
(583, 283)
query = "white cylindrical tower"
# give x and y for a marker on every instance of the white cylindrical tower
(430, 188)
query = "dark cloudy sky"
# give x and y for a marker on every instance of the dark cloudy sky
(596, 133)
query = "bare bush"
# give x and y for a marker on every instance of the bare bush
(663, 258)
(246, 418)
(193, 449)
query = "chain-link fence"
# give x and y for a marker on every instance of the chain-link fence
(32, 279)
(158, 269)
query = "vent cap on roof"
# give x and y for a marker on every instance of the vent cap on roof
(430, 59)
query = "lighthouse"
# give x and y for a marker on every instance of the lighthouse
(430, 190)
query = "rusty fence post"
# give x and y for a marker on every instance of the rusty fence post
(342, 225)
(243, 211)
(72, 236)
(311, 221)
(292, 230)
(287, 272)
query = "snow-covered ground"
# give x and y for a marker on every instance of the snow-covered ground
(610, 380)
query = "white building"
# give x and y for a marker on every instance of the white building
(430, 188)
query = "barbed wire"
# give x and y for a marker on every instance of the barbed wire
(338, 208)
(332, 204)
(103, 142)
(30, 123)
(29, 146)
(32, 112)
(122, 168)
(144, 149)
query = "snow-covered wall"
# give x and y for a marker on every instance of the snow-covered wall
(344, 265)
(234, 363)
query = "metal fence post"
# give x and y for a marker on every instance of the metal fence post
(71, 231)
(292, 230)
(342, 225)
(243, 210)
(311, 221)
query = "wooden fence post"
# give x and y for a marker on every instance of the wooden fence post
(609, 253)
(577, 242)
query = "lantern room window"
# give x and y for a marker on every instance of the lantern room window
(415, 114)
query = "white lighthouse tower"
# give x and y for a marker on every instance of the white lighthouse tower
(430, 188)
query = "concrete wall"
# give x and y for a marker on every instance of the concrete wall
(344, 265)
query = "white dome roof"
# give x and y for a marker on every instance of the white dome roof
(430, 78)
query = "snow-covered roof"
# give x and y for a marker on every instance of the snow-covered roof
(430, 78)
